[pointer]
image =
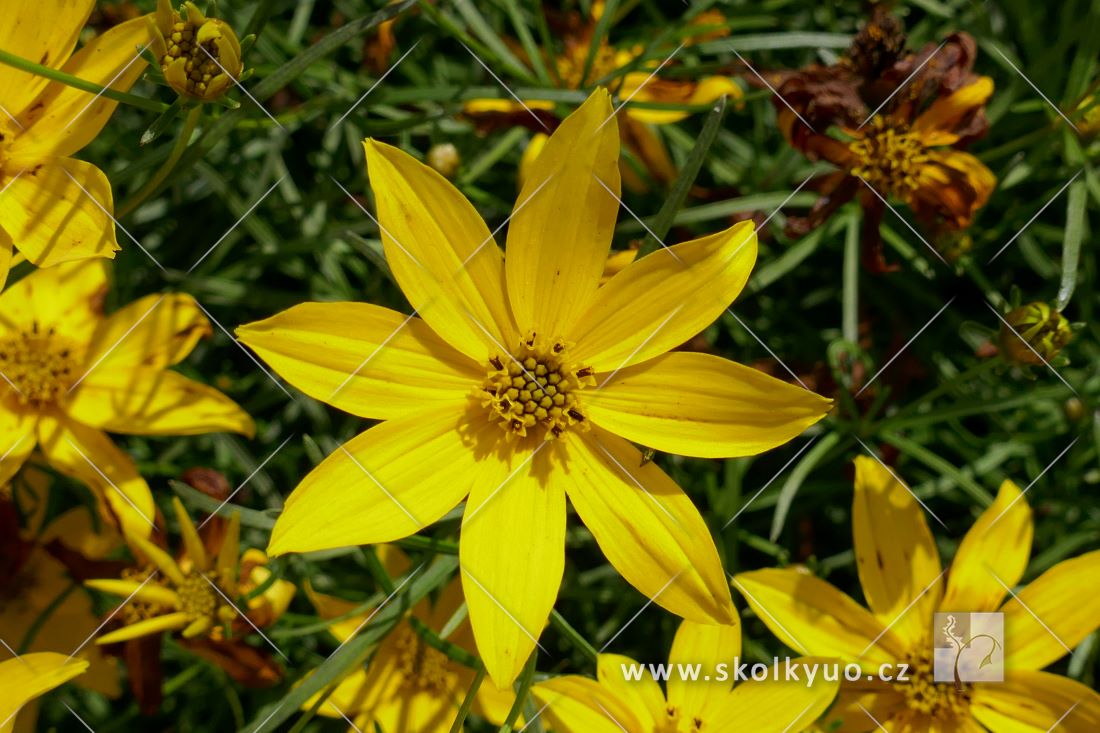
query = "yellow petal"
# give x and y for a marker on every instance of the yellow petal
(664, 299)
(65, 118)
(896, 556)
(642, 696)
(708, 645)
(561, 226)
(6, 254)
(148, 627)
(364, 359)
(513, 504)
(159, 557)
(67, 298)
(150, 592)
(936, 124)
(531, 153)
(24, 678)
(56, 211)
(89, 456)
(441, 253)
(1051, 615)
(155, 331)
(952, 184)
(648, 88)
(198, 627)
(701, 405)
(997, 546)
(647, 527)
(580, 705)
(1036, 702)
(484, 106)
(42, 31)
(330, 607)
(389, 482)
(776, 706)
(196, 552)
(148, 401)
(17, 437)
(813, 617)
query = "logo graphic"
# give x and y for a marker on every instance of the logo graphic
(969, 647)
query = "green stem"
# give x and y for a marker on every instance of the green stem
(161, 173)
(18, 62)
(558, 622)
(524, 690)
(468, 701)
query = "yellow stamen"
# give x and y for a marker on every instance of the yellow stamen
(422, 668)
(888, 157)
(39, 367)
(926, 698)
(198, 599)
(674, 722)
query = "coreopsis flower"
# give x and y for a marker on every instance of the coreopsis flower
(1033, 334)
(26, 677)
(617, 703)
(642, 84)
(911, 149)
(201, 594)
(522, 381)
(200, 57)
(902, 580)
(56, 208)
(408, 686)
(72, 373)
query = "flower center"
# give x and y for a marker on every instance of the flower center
(888, 158)
(674, 722)
(197, 597)
(38, 368)
(137, 609)
(201, 59)
(421, 666)
(926, 697)
(535, 387)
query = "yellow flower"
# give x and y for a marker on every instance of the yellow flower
(55, 208)
(902, 579)
(618, 704)
(71, 374)
(523, 380)
(24, 678)
(1033, 333)
(199, 594)
(408, 686)
(199, 56)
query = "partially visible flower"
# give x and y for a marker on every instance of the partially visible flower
(906, 146)
(199, 56)
(199, 593)
(408, 686)
(26, 677)
(903, 584)
(72, 374)
(617, 703)
(56, 208)
(1033, 334)
(444, 159)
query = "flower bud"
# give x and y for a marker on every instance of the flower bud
(1034, 334)
(200, 57)
(444, 158)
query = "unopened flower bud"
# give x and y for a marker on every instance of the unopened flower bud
(1035, 333)
(200, 57)
(444, 158)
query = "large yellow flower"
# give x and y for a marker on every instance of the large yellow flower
(618, 704)
(70, 374)
(55, 208)
(24, 678)
(899, 569)
(524, 381)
